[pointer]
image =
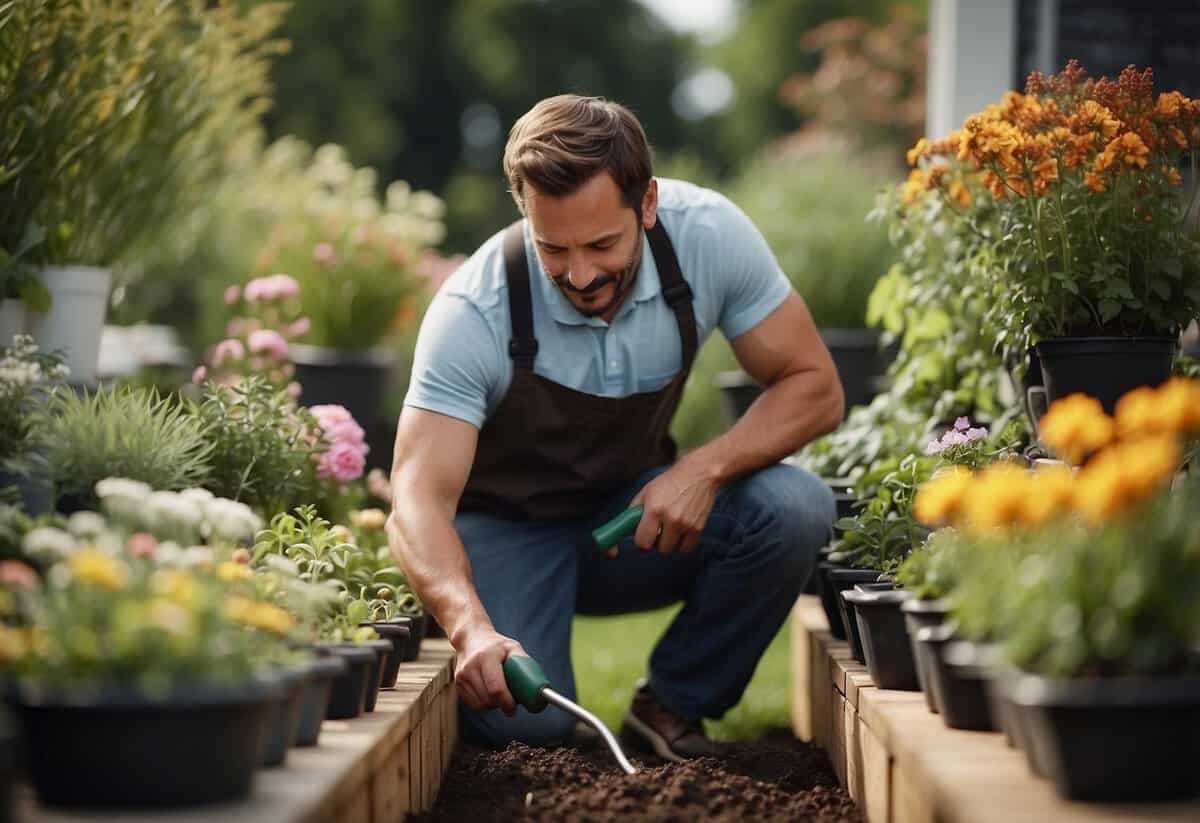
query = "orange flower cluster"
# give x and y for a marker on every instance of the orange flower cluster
(1066, 124)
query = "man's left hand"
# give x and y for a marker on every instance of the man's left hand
(677, 504)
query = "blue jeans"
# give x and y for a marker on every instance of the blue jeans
(756, 553)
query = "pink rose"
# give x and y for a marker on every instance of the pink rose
(141, 544)
(231, 349)
(343, 462)
(258, 289)
(330, 414)
(345, 432)
(199, 374)
(268, 342)
(232, 293)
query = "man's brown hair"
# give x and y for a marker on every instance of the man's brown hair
(564, 141)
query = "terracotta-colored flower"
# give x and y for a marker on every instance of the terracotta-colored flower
(1075, 426)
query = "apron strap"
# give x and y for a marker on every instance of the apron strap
(676, 291)
(523, 346)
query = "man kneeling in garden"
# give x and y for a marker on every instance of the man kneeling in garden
(547, 371)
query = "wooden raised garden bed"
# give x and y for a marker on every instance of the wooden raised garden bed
(373, 769)
(902, 765)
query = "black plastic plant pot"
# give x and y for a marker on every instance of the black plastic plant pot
(1001, 708)
(285, 717)
(917, 615)
(829, 600)
(412, 644)
(884, 638)
(9, 764)
(114, 746)
(383, 651)
(348, 693)
(423, 625)
(398, 636)
(958, 689)
(1119, 739)
(842, 580)
(314, 700)
(1104, 367)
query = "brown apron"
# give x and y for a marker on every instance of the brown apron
(551, 452)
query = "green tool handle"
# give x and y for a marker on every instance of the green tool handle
(620, 527)
(525, 679)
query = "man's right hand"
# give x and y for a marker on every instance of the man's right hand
(479, 673)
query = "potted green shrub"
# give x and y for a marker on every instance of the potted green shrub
(110, 113)
(127, 646)
(26, 376)
(1095, 260)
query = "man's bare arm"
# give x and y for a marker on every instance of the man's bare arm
(430, 467)
(803, 400)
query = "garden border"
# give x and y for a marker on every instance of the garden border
(374, 769)
(900, 762)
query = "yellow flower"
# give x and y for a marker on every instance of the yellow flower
(231, 572)
(178, 586)
(258, 615)
(369, 518)
(1149, 463)
(1100, 490)
(172, 618)
(12, 644)
(99, 569)
(914, 186)
(914, 154)
(1051, 493)
(1075, 426)
(960, 194)
(1129, 148)
(1137, 412)
(1179, 405)
(939, 499)
(997, 498)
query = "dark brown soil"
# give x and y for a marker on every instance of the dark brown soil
(776, 778)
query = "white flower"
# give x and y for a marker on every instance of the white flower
(167, 513)
(231, 520)
(198, 496)
(168, 553)
(197, 556)
(49, 543)
(131, 492)
(86, 524)
(428, 204)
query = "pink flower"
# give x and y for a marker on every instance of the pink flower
(330, 414)
(300, 327)
(976, 433)
(16, 573)
(933, 447)
(293, 389)
(962, 424)
(199, 374)
(232, 293)
(323, 252)
(231, 349)
(343, 462)
(258, 289)
(348, 432)
(141, 544)
(954, 438)
(269, 342)
(284, 286)
(378, 484)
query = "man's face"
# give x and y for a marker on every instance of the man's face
(589, 242)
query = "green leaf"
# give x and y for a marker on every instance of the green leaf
(1109, 309)
(34, 294)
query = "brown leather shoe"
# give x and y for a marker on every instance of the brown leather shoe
(651, 726)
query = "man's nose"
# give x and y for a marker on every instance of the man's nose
(581, 273)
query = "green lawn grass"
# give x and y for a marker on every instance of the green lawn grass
(611, 653)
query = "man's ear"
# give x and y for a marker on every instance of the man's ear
(650, 205)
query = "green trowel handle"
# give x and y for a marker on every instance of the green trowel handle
(525, 680)
(615, 530)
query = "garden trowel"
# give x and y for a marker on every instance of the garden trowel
(528, 683)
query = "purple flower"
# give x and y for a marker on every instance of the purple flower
(977, 433)
(962, 424)
(933, 447)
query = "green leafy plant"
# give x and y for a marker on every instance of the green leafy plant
(125, 431)
(262, 445)
(884, 531)
(111, 113)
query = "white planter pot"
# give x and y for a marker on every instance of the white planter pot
(12, 321)
(73, 324)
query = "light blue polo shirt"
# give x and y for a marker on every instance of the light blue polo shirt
(462, 367)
